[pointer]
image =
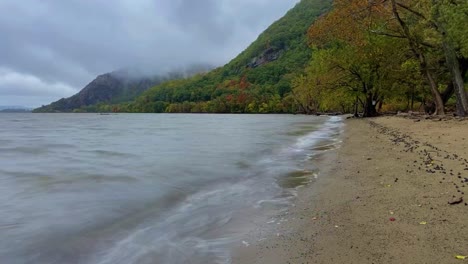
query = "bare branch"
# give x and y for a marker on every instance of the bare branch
(407, 8)
(429, 45)
(411, 10)
(387, 34)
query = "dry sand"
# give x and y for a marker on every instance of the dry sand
(388, 168)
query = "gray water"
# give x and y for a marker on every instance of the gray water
(88, 188)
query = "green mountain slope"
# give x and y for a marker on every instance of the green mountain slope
(257, 81)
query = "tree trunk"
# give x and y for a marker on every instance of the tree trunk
(380, 104)
(448, 92)
(369, 106)
(439, 103)
(452, 64)
(418, 53)
(457, 79)
(356, 107)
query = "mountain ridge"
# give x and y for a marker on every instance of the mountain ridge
(116, 87)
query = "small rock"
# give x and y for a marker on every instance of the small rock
(456, 201)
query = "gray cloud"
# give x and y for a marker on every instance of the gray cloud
(52, 48)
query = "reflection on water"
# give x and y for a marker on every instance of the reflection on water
(85, 188)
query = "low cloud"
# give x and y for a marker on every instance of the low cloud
(53, 48)
(17, 84)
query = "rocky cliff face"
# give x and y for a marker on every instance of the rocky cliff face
(268, 55)
(101, 89)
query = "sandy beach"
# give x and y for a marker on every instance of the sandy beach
(394, 192)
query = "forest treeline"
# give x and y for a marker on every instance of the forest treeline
(388, 55)
(353, 56)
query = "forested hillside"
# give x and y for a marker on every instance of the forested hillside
(363, 56)
(256, 81)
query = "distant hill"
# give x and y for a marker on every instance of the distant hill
(14, 109)
(11, 107)
(115, 87)
(258, 80)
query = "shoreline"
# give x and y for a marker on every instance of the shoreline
(383, 197)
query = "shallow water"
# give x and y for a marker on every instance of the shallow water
(88, 188)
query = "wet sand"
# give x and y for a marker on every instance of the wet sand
(383, 197)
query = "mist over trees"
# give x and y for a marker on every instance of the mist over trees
(349, 56)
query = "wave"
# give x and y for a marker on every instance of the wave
(329, 130)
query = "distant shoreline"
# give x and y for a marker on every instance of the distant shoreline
(15, 111)
(107, 113)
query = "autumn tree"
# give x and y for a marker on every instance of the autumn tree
(424, 24)
(359, 61)
(428, 31)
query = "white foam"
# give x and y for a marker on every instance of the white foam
(331, 126)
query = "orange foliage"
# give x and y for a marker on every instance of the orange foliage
(232, 83)
(243, 84)
(241, 98)
(349, 21)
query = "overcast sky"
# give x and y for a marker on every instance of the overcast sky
(50, 49)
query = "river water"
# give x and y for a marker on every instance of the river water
(145, 188)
